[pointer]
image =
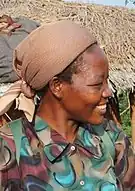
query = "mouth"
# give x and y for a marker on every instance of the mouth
(102, 109)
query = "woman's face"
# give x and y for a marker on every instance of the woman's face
(85, 99)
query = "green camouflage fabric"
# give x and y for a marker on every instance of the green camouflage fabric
(42, 160)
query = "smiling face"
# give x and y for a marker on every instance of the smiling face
(85, 98)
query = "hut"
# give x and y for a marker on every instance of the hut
(114, 28)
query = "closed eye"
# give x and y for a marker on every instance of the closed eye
(98, 84)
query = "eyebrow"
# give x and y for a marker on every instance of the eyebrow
(101, 76)
(94, 84)
(98, 78)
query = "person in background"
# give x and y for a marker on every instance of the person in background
(64, 141)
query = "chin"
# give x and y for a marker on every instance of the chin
(97, 121)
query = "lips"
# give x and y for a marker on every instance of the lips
(102, 108)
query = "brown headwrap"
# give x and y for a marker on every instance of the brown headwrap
(46, 52)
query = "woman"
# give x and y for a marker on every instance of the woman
(65, 143)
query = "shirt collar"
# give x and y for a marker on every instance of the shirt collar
(56, 145)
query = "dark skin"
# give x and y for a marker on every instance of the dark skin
(65, 105)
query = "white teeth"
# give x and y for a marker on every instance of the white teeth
(102, 107)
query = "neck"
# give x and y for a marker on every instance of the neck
(53, 113)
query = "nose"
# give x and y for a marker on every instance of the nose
(107, 92)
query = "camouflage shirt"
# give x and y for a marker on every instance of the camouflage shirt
(45, 161)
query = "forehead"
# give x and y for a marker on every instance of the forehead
(95, 65)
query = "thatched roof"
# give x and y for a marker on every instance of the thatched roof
(114, 28)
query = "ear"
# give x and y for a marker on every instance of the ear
(56, 86)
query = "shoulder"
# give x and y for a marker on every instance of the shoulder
(115, 133)
(110, 127)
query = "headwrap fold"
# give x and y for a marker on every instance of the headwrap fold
(46, 52)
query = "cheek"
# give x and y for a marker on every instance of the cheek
(73, 101)
(87, 94)
(81, 100)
